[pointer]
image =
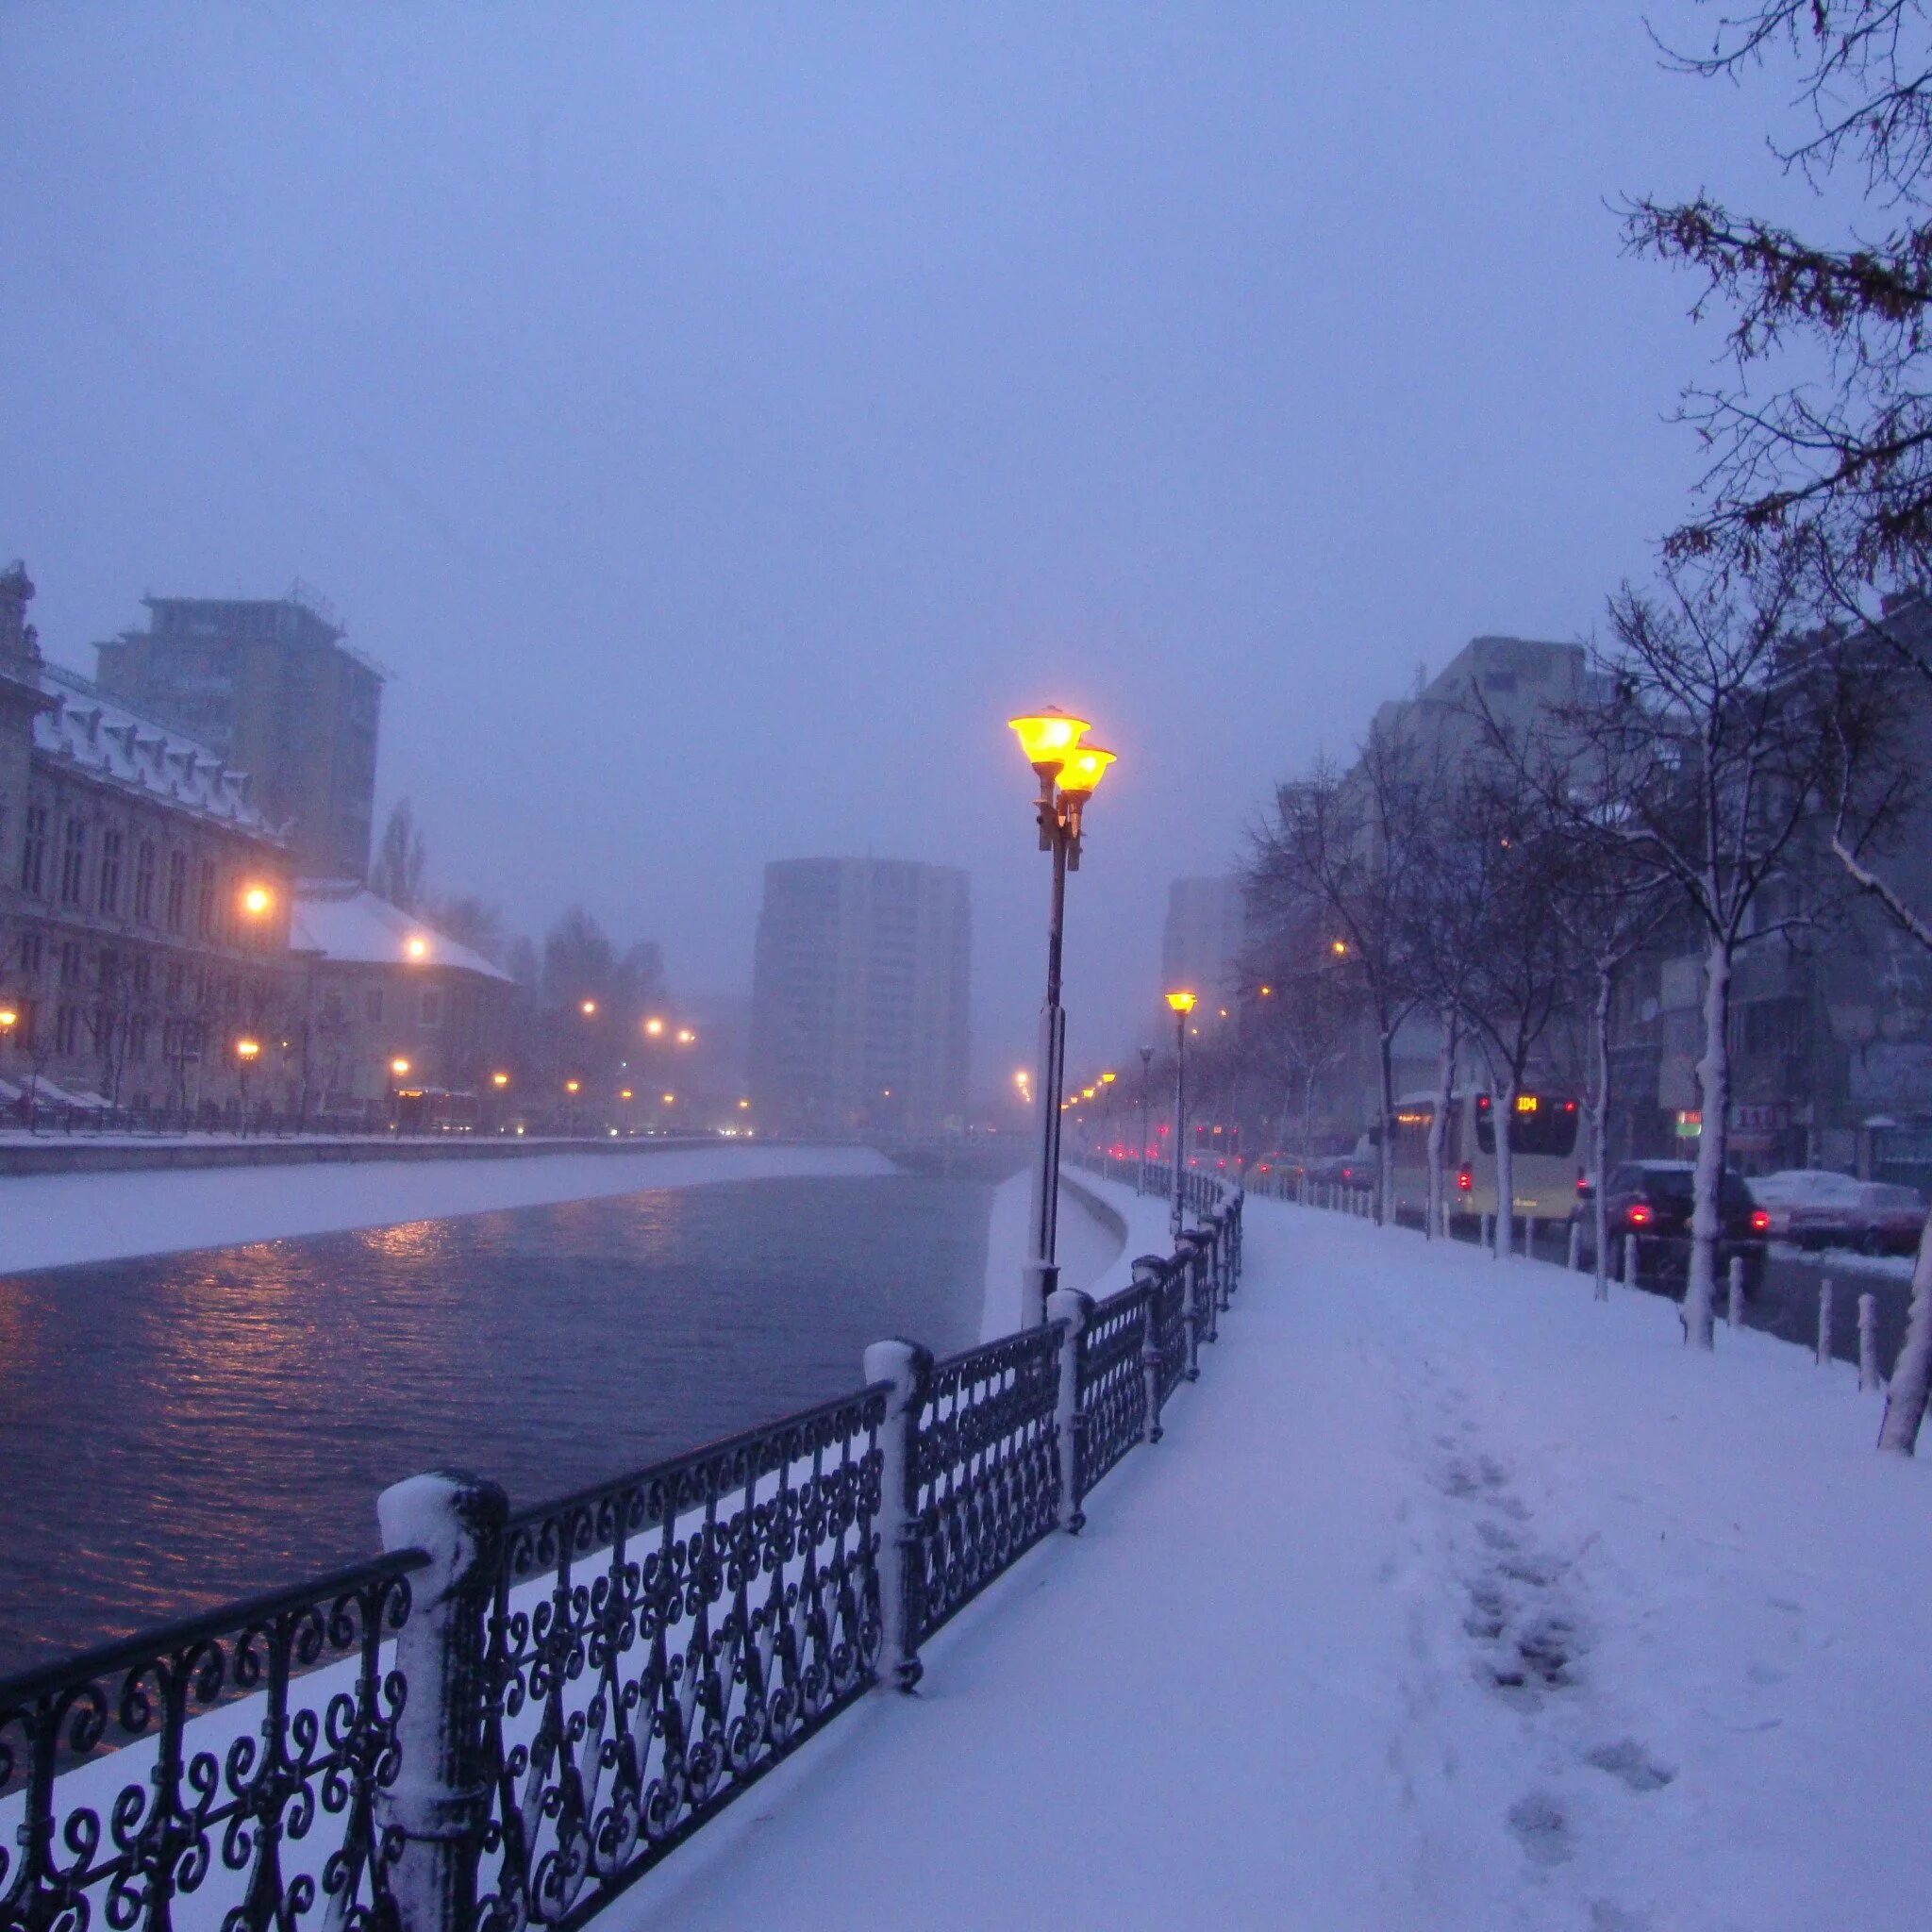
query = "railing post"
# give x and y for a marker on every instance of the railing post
(440, 1802)
(1148, 1270)
(901, 1562)
(1076, 1309)
(1190, 1311)
(1868, 1341)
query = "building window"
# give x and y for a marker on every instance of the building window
(175, 985)
(70, 963)
(33, 853)
(33, 953)
(432, 1006)
(177, 890)
(144, 882)
(72, 861)
(109, 898)
(143, 975)
(66, 1029)
(205, 899)
(371, 1006)
(136, 1039)
(101, 1027)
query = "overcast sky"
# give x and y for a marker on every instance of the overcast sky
(718, 418)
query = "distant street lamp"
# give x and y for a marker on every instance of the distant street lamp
(416, 948)
(1068, 773)
(1183, 1004)
(399, 1072)
(499, 1081)
(1141, 1173)
(246, 1053)
(258, 902)
(653, 1028)
(588, 1008)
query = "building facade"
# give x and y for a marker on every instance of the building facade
(387, 1006)
(143, 898)
(860, 998)
(268, 686)
(1205, 936)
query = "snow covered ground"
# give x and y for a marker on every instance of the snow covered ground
(1094, 1256)
(1451, 1599)
(47, 1221)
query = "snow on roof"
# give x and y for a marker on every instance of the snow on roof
(87, 728)
(344, 919)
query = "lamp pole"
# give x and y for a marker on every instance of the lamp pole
(1068, 773)
(1141, 1166)
(1183, 1004)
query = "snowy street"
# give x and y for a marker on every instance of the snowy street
(1450, 1599)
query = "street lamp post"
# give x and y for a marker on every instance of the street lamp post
(1141, 1169)
(1183, 1004)
(246, 1053)
(1068, 773)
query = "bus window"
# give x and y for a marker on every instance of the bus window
(1541, 1124)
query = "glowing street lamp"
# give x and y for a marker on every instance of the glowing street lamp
(1069, 771)
(416, 947)
(258, 902)
(573, 1086)
(1181, 1002)
(9, 1019)
(400, 1068)
(653, 1028)
(588, 1008)
(686, 1037)
(499, 1081)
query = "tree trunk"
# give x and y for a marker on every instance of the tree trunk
(1599, 1133)
(1502, 1118)
(1385, 1165)
(1911, 1375)
(1439, 1123)
(1714, 1102)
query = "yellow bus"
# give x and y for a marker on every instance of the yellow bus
(1549, 1154)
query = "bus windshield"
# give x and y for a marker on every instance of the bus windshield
(1541, 1123)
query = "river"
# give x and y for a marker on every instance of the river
(182, 1430)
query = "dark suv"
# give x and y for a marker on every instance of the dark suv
(1652, 1199)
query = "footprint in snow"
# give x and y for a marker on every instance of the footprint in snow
(1631, 1764)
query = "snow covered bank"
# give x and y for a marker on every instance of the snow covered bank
(48, 1220)
(1450, 1600)
(1094, 1256)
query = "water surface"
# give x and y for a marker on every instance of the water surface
(185, 1429)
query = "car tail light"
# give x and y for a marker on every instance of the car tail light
(1640, 1216)
(1760, 1221)
(1582, 1182)
(1465, 1178)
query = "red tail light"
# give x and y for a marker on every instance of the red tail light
(1640, 1216)
(1760, 1221)
(1465, 1178)
(1582, 1182)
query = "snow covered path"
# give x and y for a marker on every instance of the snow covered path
(1451, 1599)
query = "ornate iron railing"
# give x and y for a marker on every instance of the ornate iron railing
(987, 1466)
(1113, 1414)
(657, 1644)
(508, 1720)
(138, 1788)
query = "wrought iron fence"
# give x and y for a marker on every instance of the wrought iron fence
(507, 1719)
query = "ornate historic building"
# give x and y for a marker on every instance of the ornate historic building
(145, 900)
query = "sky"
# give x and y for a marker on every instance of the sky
(719, 419)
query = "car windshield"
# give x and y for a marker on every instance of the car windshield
(1673, 1185)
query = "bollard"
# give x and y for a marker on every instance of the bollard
(1529, 1237)
(901, 1563)
(1488, 1238)
(1736, 1311)
(1868, 1341)
(1148, 1270)
(1572, 1258)
(439, 1805)
(1190, 1313)
(1076, 1309)
(1631, 1260)
(1824, 1295)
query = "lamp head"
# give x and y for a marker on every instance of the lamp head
(1107, 1079)
(399, 1067)
(1182, 1002)
(416, 947)
(1046, 736)
(256, 900)
(1084, 768)
(499, 1080)
(247, 1049)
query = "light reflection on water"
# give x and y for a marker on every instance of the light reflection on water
(178, 1431)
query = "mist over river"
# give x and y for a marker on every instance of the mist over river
(181, 1430)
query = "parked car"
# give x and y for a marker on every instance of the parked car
(1816, 1207)
(1652, 1200)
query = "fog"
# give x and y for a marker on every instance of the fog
(718, 419)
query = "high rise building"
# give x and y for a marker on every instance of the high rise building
(1207, 929)
(268, 686)
(860, 998)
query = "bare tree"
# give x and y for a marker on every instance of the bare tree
(1711, 750)
(401, 860)
(1351, 846)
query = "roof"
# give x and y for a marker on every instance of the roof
(344, 920)
(101, 736)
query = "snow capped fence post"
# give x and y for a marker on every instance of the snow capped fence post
(1573, 1257)
(1736, 1311)
(1631, 1260)
(901, 1563)
(1068, 1305)
(1824, 1295)
(1868, 1341)
(1148, 1270)
(1488, 1235)
(438, 1806)
(1191, 1318)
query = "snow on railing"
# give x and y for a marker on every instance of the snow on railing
(506, 1720)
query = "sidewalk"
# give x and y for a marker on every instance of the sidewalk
(1451, 1599)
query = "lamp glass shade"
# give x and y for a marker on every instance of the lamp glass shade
(1181, 1001)
(1047, 737)
(1084, 768)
